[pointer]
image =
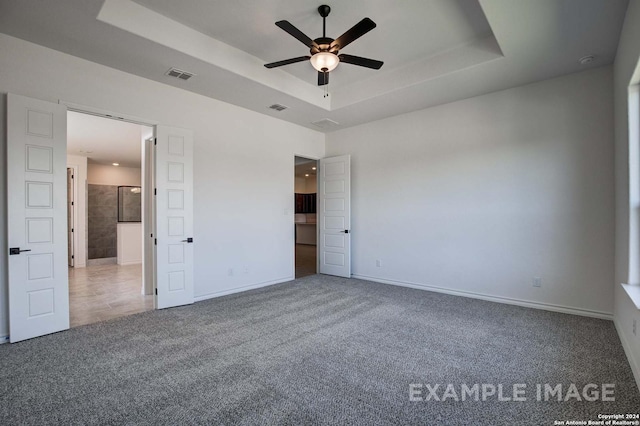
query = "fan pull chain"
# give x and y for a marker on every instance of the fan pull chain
(326, 84)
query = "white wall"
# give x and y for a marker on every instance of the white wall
(101, 174)
(80, 203)
(484, 194)
(228, 141)
(627, 219)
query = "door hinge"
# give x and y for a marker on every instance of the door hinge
(72, 203)
(71, 229)
(155, 242)
(71, 176)
(155, 191)
(156, 291)
(155, 141)
(73, 257)
(151, 235)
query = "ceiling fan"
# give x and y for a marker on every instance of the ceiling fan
(325, 55)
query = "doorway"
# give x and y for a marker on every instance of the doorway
(37, 159)
(110, 284)
(305, 217)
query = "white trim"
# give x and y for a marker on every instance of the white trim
(135, 262)
(241, 289)
(498, 299)
(635, 368)
(86, 109)
(633, 291)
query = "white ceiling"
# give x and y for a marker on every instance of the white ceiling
(435, 51)
(105, 141)
(452, 23)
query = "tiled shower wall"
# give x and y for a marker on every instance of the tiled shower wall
(103, 220)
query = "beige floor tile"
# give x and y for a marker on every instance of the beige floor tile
(103, 292)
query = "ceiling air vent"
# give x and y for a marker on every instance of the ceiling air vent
(278, 107)
(182, 75)
(325, 123)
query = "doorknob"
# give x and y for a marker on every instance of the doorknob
(346, 231)
(188, 240)
(16, 250)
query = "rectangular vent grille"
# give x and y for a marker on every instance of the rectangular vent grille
(278, 107)
(182, 75)
(325, 123)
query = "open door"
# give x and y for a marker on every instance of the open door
(37, 217)
(173, 217)
(334, 200)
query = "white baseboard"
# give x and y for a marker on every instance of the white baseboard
(134, 262)
(634, 363)
(102, 261)
(241, 289)
(498, 299)
(4, 339)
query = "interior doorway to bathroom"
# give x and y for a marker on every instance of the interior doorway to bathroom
(105, 159)
(305, 223)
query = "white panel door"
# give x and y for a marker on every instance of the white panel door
(37, 217)
(174, 216)
(334, 202)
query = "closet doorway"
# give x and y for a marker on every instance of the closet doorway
(305, 223)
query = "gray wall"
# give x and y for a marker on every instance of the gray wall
(103, 220)
(627, 196)
(482, 195)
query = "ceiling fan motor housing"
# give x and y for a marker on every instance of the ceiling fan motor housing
(323, 44)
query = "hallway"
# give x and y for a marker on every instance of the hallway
(103, 292)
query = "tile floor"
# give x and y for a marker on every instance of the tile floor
(100, 293)
(305, 260)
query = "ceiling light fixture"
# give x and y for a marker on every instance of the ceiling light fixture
(325, 61)
(306, 175)
(313, 168)
(116, 164)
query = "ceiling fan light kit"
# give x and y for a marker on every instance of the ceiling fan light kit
(325, 61)
(324, 50)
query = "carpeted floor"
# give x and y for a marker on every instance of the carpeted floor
(318, 350)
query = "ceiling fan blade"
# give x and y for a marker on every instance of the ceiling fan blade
(288, 27)
(363, 62)
(287, 62)
(323, 78)
(357, 31)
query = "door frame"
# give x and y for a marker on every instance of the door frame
(148, 255)
(317, 160)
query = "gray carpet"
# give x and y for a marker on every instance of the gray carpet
(318, 350)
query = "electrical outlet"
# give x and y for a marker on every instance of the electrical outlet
(634, 327)
(378, 263)
(537, 282)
